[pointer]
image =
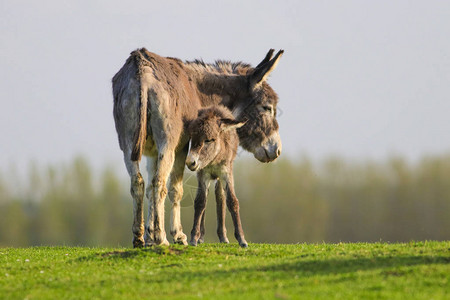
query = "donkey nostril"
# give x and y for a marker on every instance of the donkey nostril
(278, 152)
(193, 164)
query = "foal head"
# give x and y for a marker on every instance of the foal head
(213, 137)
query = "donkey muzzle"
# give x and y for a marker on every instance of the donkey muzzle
(270, 150)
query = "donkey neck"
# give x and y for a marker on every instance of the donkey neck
(221, 89)
(220, 83)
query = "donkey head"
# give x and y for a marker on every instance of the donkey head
(260, 134)
(208, 134)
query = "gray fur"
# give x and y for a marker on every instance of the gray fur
(155, 96)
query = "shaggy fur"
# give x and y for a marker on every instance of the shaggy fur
(155, 96)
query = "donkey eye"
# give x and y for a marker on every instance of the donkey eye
(210, 141)
(267, 108)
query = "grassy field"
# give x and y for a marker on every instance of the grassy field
(416, 270)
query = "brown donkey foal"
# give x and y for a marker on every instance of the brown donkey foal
(214, 144)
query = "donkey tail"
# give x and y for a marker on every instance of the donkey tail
(130, 92)
(140, 134)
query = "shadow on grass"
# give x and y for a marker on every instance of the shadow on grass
(301, 268)
(131, 253)
(313, 267)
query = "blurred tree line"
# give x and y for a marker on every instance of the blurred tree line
(288, 201)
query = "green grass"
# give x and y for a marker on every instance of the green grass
(416, 270)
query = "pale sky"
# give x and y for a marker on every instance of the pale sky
(362, 79)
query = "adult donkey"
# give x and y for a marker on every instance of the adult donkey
(155, 97)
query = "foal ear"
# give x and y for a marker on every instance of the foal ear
(228, 124)
(263, 70)
(188, 126)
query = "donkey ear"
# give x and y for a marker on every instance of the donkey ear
(261, 72)
(266, 59)
(228, 124)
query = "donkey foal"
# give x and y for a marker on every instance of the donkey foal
(214, 143)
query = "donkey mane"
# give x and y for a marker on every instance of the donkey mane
(222, 66)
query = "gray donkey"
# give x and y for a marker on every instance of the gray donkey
(154, 96)
(214, 144)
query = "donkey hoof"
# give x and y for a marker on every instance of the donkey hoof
(180, 239)
(161, 239)
(149, 243)
(181, 242)
(164, 242)
(149, 238)
(193, 243)
(138, 243)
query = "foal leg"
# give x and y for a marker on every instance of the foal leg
(233, 207)
(221, 212)
(175, 195)
(137, 192)
(201, 239)
(199, 206)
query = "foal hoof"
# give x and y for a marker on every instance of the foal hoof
(243, 244)
(224, 241)
(193, 243)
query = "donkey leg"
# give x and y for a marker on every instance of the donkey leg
(199, 207)
(149, 236)
(159, 192)
(201, 239)
(221, 212)
(137, 192)
(175, 195)
(233, 207)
